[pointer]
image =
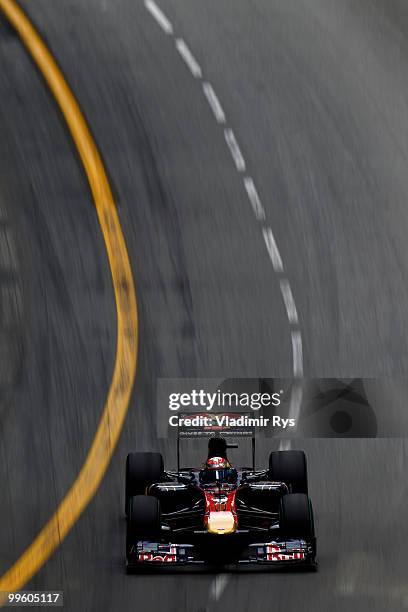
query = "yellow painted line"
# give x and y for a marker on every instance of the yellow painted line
(114, 412)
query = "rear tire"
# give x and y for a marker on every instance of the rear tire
(144, 518)
(296, 516)
(289, 467)
(142, 470)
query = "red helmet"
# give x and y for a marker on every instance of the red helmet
(218, 470)
(217, 463)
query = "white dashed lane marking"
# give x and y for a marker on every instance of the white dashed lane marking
(214, 102)
(250, 188)
(253, 196)
(284, 445)
(295, 401)
(272, 249)
(235, 150)
(289, 301)
(218, 586)
(159, 16)
(297, 354)
(189, 58)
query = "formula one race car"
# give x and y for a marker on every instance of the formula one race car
(218, 517)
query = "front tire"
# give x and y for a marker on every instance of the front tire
(296, 517)
(289, 467)
(144, 518)
(142, 470)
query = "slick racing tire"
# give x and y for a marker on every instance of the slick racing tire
(142, 469)
(289, 467)
(296, 516)
(144, 518)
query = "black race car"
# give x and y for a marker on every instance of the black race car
(219, 517)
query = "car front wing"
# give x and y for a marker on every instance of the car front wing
(152, 555)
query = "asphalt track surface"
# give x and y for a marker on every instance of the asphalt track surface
(317, 95)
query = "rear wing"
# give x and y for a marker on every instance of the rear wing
(228, 425)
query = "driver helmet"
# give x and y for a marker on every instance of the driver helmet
(217, 463)
(218, 470)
